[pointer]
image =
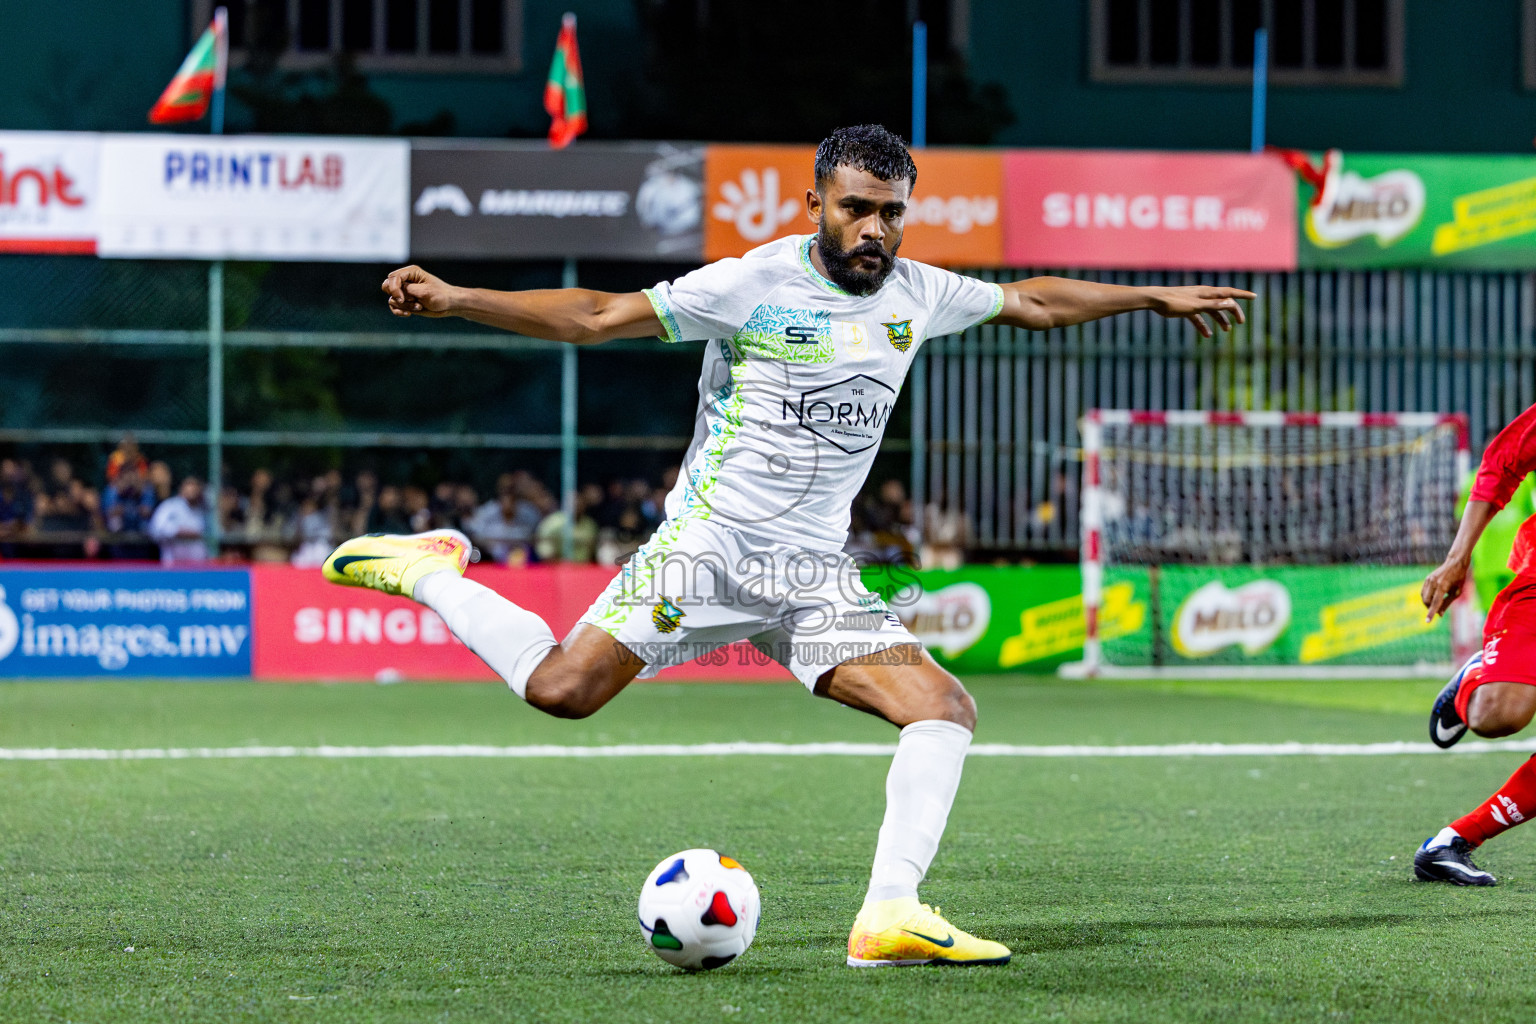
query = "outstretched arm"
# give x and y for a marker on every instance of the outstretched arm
(1041, 303)
(1510, 458)
(1443, 586)
(579, 316)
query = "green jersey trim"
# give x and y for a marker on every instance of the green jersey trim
(810, 268)
(997, 303)
(664, 314)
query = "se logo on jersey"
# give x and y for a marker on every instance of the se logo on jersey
(899, 333)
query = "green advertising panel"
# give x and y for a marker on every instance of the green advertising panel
(1286, 615)
(1415, 210)
(1005, 619)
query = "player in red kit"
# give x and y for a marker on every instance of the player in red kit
(1494, 693)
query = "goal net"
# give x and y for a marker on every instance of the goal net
(1266, 543)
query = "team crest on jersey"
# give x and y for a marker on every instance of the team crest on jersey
(666, 616)
(899, 334)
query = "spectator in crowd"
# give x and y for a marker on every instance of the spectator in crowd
(549, 537)
(418, 510)
(389, 515)
(178, 525)
(161, 481)
(365, 494)
(127, 456)
(16, 502)
(504, 527)
(127, 502)
(69, 511)
(61, 478)
(313, 533)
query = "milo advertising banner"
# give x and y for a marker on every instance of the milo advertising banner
(1415, 210)
(1005, 619)
(1285, 615)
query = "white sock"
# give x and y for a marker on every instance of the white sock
(1442, 838)
(918, 793)
(512, 640)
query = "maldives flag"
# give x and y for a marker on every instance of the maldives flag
(565, 97)
(188, 95)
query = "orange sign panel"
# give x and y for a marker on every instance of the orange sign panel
(754, 194)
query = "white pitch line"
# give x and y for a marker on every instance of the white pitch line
(1292, 749)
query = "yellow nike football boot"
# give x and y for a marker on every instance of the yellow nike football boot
(393, 562)
(903, 933)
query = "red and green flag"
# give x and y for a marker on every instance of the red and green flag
(190, 92)
(565, 95)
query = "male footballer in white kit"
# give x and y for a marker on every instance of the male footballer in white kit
(807, 342)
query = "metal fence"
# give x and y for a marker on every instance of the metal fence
(92, 347)
(996, 409)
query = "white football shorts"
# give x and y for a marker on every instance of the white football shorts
(697, 586)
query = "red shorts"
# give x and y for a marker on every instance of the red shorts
(1509, 635)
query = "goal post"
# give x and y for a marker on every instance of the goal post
(1267, 544)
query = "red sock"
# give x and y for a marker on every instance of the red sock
(1504, 810)
(1474, 678)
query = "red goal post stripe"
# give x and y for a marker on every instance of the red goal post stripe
(1348, 420)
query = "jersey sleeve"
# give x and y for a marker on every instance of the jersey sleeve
(956, 302)
(711, 302)
(1510, 458)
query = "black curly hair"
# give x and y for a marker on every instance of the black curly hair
(865, 147)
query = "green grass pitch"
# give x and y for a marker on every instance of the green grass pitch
(1130, 889)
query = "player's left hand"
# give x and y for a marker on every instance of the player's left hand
(1196, 302)
(1443, 586)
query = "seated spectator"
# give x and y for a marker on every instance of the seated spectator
(61, 478)
(127, 456)
(68, 514)
(127, 502)
(313, 535)
(389, 515)
(160, 481)
(499, 527)
(178, 525)
(549, 538)
(418, 511)
(365, 495)
(16, 499)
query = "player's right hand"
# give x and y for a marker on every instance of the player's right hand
(414, 292)
(1443, 586)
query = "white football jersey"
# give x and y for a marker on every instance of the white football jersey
(798, 383)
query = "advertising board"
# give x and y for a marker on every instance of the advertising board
(1283, 615)
(254, 197)
(754, 194)
(48, 191)
(1416, 210)
(1000, 618)
(1148, 211)
(630, 201)
(124, 622)
(308, 629)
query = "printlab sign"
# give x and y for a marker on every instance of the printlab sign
(126, 623)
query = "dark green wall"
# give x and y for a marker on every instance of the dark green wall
(90, 65)
(1461, 88)
(87, 64)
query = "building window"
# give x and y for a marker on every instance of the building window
(1311, 42)
(482, 36)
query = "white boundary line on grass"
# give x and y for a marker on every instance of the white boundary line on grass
(759, 749)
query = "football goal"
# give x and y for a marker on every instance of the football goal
(1266, 543)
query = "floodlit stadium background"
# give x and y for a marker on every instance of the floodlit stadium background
(209, 304)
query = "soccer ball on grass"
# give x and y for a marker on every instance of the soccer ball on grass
(699, 910)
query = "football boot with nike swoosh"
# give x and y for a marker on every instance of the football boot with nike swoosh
(916, 935)
(1445, 725)
(394, 562)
